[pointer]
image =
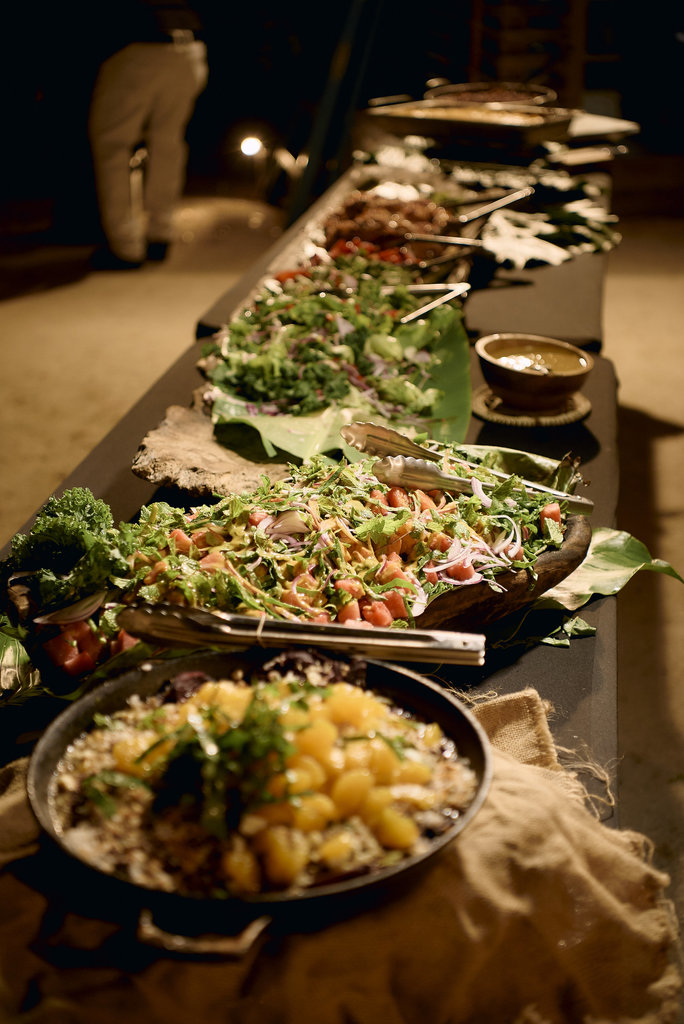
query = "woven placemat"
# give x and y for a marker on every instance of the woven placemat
(489, 406)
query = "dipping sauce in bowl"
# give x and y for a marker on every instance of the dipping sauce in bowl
(532, 372)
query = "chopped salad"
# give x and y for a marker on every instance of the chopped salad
(329, 544)
(328, 334)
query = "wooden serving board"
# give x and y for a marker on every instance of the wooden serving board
(470, 609)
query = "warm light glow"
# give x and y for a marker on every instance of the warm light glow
(251, 145)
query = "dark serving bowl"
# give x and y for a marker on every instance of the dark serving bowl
(532, 372)
(184, 915)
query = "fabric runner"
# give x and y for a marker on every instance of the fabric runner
(536, 914)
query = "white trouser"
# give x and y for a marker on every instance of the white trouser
(145, 92)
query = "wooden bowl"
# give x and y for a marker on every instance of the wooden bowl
(532, 372)
(471, 609)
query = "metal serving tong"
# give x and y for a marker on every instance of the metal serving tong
(496, 204)
(375, 439)
(467, 218)
(413, 236)
(454, 292)
(177, 626)
(405, 471)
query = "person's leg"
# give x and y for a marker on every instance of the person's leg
(119, 108)
(184, 79)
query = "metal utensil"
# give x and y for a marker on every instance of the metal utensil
(454, 292)
(451, 240)
(194, 627)
(426, 288)
(376, 439)
(496, 204)
(444, 239)
(405, 471)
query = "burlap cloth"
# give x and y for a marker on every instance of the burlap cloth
(537, 913)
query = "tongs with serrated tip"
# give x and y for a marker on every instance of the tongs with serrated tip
(173, 625)
(405, 471)
(379, 440)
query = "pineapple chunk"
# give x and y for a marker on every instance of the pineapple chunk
(394, 830)
(350, 789)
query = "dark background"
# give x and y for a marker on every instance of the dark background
(270, 73)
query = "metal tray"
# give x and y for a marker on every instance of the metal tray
(497, 123)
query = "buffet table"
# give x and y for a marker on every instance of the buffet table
(565, 301)
(545, 932)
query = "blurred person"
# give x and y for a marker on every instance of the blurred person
(145, 92)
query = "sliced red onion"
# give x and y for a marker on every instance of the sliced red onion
(76, 612)
(264, 524)
(286, 523)
(478, 491)
(476, 578)
(419, 602)
(343, 326)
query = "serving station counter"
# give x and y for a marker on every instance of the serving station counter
(510, 920)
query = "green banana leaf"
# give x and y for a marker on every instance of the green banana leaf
(614, 556)
(303, 436)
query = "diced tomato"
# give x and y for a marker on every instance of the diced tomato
(391, 570)
(181, 540)
(392, 255)
(424, 499)
(351, 585)
(86, 638)
(408, 543)
(257, 516)
(79, 665)
(395, 604)
(122, 642)
(377, 613)
(341, 247)
(76, 648)
(214, 560)
(551, 511)
(515, 552)
(378, 496)
(295, 595)
(430, 574)
(156, 570)
(349, 612)
(459, 571)
(439, 542)
(397, 497)
(288, 275)
(60, 649)
(321, 617)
